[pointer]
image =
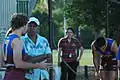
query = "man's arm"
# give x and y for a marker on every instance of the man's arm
(80, 54)
(48, 52)
(46, 55)
(1, 55)
(96, 63)
(80, 49)
(49, 58)
(114, 48)
(59, 55)
(95, 59)
(60, 45)
(17, 57)
(117, 53)
(35, 59)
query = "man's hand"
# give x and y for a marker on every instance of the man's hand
(44, 65)
(78, 59)
(118, 64)
(36, 58)
(97, 75)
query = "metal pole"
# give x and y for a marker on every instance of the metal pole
(50, 32)
(107, 19)
(64, 18)
(50, 23)
(86, 72)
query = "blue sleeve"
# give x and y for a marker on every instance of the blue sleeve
(118, 54)
(47, 47)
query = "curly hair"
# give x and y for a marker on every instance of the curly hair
(18, 20)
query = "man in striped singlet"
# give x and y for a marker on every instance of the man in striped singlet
(14, 54)
(104, 52)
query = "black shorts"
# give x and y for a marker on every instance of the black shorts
(108, 64)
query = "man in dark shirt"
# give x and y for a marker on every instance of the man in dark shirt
(68, 47)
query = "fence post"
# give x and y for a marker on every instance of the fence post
(86, 71)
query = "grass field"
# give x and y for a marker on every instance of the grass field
(86, 58)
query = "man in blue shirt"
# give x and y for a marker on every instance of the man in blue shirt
(104, 51)
(36, 46)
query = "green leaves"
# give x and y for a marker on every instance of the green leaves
(87, 12)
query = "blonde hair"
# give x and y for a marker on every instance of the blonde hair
(10, 30)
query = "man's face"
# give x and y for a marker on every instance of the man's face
(103, 48)
(69, 33)
(32, 28)
(25, 29)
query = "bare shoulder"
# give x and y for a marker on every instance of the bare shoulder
(16, 42)
(93, 45)
(114, 45)
(62, 38)
(76, 39)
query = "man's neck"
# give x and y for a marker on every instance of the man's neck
(18, 32)
(68, 37)
(33, 37)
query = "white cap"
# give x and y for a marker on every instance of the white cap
(33, 19)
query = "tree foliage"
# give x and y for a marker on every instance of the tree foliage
(78, 13)
(86, 12)
(92, 13)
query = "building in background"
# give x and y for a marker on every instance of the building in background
(8, 7)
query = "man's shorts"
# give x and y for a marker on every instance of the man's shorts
(108, 63)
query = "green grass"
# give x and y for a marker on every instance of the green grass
(86, 58)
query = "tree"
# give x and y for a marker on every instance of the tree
(93, 14)
(86, 12)
(41, 12)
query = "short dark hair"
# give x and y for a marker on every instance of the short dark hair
(18, 20)
(70, 29)
(100, 41)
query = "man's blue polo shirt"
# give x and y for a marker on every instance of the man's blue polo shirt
(32, 49)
